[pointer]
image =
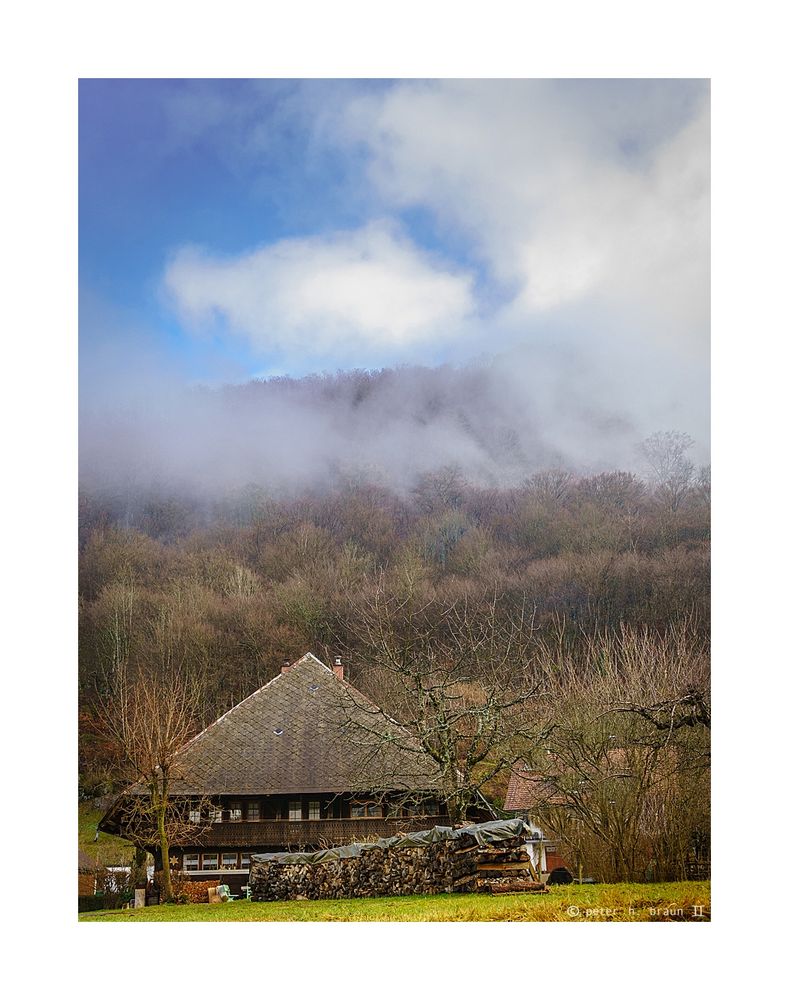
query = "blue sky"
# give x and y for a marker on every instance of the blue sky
(239, 228)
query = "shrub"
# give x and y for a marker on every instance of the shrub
(115, 887)
(86, 904)
(197, 892)
(184, 889)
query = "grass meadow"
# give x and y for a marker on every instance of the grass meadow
(672, 901)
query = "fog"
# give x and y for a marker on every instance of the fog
(496, 420)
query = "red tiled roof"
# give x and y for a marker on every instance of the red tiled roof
(528, 789)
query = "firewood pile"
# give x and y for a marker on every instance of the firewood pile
(381, 872)
(456, 863)
(507, 868)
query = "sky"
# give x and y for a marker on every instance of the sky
(555, 231)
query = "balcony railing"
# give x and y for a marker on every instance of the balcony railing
(286, 834)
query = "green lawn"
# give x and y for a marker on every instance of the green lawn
(107, 850)
(663, 901)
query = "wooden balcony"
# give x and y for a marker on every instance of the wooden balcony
(294, 834)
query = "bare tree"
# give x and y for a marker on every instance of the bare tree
(623, 767)
(672, 470)
(551, 486)
(456, 675)
(147, 717)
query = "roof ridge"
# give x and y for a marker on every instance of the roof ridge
(307, 657)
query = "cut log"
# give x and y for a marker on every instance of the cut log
(505, 866)
(516, 885)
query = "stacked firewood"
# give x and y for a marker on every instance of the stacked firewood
(457, 865)
(507, 867)
(401, 871)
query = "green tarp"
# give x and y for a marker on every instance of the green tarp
(483, 833)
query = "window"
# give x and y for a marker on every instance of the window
(245, 858)
(294, 809)
(194, 815)
(191, 862)
(314, 810)
(253, 811)
(229, 860)
(215, 814)
(416, 807)
(210, 862)
(235, 812)
(366, 810)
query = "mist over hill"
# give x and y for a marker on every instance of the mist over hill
(496, 422)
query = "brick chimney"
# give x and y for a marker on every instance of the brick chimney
(338, 667)
(285, 666)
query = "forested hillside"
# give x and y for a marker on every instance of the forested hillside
(233, 588)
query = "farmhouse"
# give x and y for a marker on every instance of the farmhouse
(305, 762)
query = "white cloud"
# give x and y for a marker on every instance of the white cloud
(570, 192)
(370, 290)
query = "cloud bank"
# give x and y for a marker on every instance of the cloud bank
(386, 427)
(569, 193)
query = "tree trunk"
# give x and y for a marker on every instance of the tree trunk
(140, 867)
(164, 842)
(167, 887)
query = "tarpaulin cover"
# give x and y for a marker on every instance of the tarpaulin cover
(483, 833)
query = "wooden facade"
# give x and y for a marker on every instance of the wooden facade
(225, 847)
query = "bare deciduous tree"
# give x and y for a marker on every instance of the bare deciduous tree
(457, 676)
(623, 766)
(672, 470)
(147, 717)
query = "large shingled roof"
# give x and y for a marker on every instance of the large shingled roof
(304, 731)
